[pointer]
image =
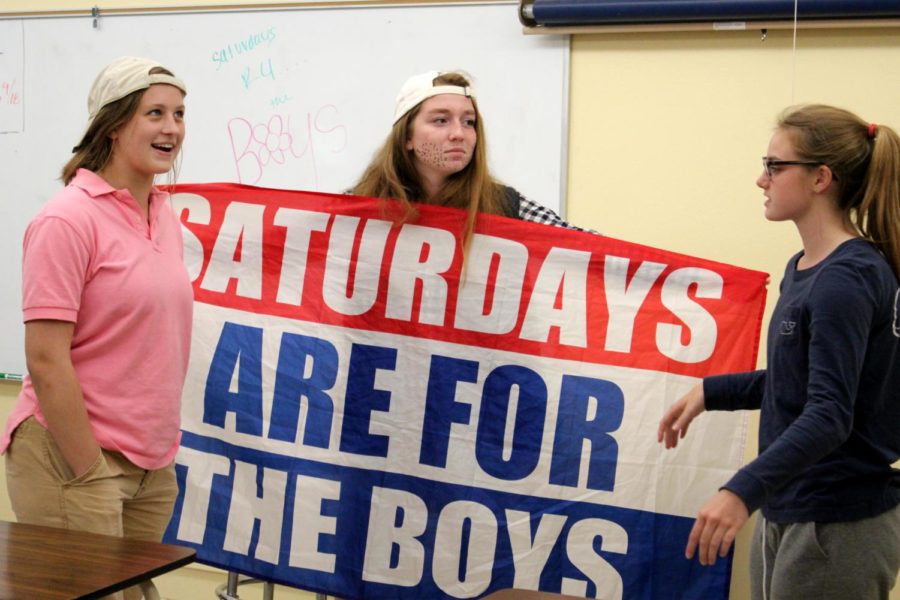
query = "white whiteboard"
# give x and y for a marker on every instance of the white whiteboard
(295, 99)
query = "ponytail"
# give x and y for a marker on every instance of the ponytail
(865, 161)
(878, 217)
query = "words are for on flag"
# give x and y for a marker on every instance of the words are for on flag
(375, 410)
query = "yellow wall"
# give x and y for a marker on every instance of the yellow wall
(666, 135)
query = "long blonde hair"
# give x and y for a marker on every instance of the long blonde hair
(865, 161)
(392, 172)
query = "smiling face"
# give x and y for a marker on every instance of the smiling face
(443, 137)
(789, 191)
(148, 143)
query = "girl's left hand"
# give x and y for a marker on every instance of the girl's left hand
(716, 527)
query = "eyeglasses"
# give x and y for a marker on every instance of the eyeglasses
(771, 165)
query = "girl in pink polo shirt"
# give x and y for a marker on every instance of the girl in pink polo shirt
(107, 308)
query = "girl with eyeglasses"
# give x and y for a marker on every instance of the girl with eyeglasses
(829, 398)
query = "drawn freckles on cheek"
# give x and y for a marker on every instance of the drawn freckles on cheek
(430, 154)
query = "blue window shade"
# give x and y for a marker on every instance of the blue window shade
(621, 12)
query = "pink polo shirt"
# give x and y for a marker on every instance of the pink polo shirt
(92, 259)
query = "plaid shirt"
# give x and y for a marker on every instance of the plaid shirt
(537, 213)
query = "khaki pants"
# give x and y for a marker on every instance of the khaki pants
(114, 497)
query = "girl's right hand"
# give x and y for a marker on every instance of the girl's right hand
(674, 424)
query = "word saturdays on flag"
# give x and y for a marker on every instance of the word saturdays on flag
(374, 410)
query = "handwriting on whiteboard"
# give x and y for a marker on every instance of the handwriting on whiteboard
(252, 74)
(9, 93)
(12, 76)
(230, 51)
(285, 141)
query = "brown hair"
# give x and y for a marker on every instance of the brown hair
(865, 162)
(392, 172)
(95, 148)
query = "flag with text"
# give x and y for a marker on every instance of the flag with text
(376, 409)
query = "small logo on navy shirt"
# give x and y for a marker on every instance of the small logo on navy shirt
(787, 327)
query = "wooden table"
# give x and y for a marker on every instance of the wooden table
(56, 564)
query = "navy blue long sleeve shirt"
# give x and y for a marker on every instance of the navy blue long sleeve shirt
(829, 397)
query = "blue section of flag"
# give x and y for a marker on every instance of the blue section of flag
(652, 567)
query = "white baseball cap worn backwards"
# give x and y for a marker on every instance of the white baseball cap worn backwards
(124, 76)
(421, 87)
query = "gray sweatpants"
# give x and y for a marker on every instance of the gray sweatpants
(856, 560)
